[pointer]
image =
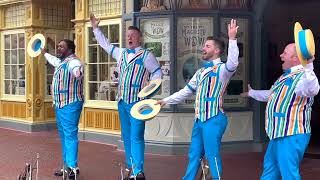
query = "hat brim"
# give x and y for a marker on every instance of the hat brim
(145, 110)
(297, 28)
(151, 89)
(36, 43)
(309, 39)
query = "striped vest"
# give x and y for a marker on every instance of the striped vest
(133, 76)
(209, 93)
(66, 88)
(286, 113)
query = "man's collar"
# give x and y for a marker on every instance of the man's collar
(293, 69)
(211, 63)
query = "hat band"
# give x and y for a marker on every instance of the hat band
(303, 45)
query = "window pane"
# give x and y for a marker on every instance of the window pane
(14, 41)
(104, 30)
(114, 33)
(92, 39)
(7, 87)
(103, 72)
(7, 72)
(14, 72)
(7, 42)
(14, 57)
(93, 90)
(93, 54)
(21, 56)
(21, 40)
(103, 56)
(93, 72)
(21, 74)
(7, 56)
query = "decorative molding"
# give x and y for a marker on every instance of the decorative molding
(152, 5)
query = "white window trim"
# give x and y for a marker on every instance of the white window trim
(9, 97)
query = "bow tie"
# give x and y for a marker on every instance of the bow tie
(287, 71)
(207, 64)
(131, 51)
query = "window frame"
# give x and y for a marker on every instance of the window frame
(98, 103)
(11, 97)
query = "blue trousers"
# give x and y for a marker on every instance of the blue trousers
(283, 157)
(67, 122)
(132, 133)
(205, 141)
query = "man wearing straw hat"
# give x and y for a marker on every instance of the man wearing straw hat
(288, 111)
(136, 66)
(209, 84)
(68, 100)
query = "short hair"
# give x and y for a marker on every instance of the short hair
(70, 44)
(218, 42)
(135, 28)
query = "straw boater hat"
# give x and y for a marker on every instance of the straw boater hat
(151, 89)
(145, 110)
(304, 42)
(35, 44)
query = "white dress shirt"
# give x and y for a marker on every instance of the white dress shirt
(308, 85)
(74, 64)
(151, 63)
(226, 71)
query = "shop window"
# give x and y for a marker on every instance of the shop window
(105, 7)
(156, 38)
(192, 33)
(15, 16)
(14, 64)
(102, 68)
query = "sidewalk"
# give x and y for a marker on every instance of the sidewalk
(98, 161)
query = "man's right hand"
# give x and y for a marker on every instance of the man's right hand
(246, 94)
(43, 51)
(161, 102)
(94, 21)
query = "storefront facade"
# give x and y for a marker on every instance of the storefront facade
(174, 30)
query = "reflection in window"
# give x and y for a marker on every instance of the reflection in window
(102, 71)
(192, 33)
(14, 64)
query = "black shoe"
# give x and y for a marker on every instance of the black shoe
(60, 172)
(72, 173)
(140, 176)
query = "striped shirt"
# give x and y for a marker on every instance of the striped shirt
(215, 80)
(133, 76)
(127, 61)
(288, 111)
(209, 93)
(66, 87)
